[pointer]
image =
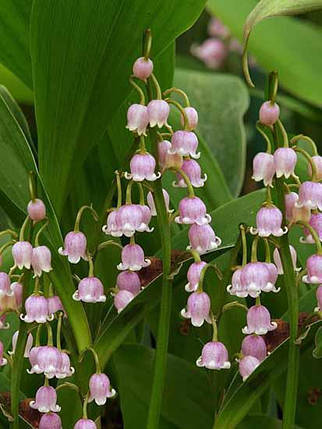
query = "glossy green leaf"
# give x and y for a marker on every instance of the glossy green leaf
(242, 395)
(15, 164)
(262, 421)
(116, 328)
(14, 41)
(221, 101)
(81, 75)
(187, 401)
(279, 43)
(268, 8)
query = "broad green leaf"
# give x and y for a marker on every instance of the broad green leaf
(187, 401)
(221, 101)
(242, 395)
(14, 41)
(279, 43)
(317, 352)
(116, 328)
(16, 87)
(15, 164)
(82, 54)
(268, 8)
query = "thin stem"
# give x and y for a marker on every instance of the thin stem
(58, 334)
(32, 185)
(50, 341)
(85, 405)
(142, 144)
(180, 92)
(141, 193)
(80, 214)
(310, 160)
(119, 189)
(186, 179)
(232, 305)
(23, 229)
(37, 286)
(9, 232)
(147, 43)
(40, 231)
(67, 385)
(160, 362)
(295, 139)
(128, 198)
(96, 359)
(203, 273)
(195, 255)
(283, 132)
(156, 86)
(268, 195)
(38, 332)
(258, 300)
(8, 244)
(244, 244)
(272, 86)
(90, 266)
(268, 142)
(138, 89)
(107, 243)
(314, 234)
(267, 251)
(214, 327)
(254, 249)
(181, 110)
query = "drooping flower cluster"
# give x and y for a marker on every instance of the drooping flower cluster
(213, 52)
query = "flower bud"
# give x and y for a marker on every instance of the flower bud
(90, 289)
(269, 222)
(285, 161)
(316, 224)
(214, 355)
(193, 171)
(100, 389)
(46, 400)
(41, 260)
(278, 262)
(85, 424)
(314, 270)
(192, 210)
(54, 305)
(49, 360)
(50, 421)
(130, 281)
(238, 288)
(217, 29)
(317, 159)
(137, 119)
(150, 201)
(158, 111)
(28, 344)
(5, 285)
(254, 345)
(22, 254)
(74, 247)
(247, 365)
(198, 308)
(36, 310)
(184, 143)
(192, 117)
(142, 68)
(310, 195)
(36, 210)
(258, 321)
(133, 258)
(212, 52)
(142, 166)
(319, 298)
(193, 275)
(263, 168)
(122, 298)
(269, 113)
(64, 369)
(203, 238)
